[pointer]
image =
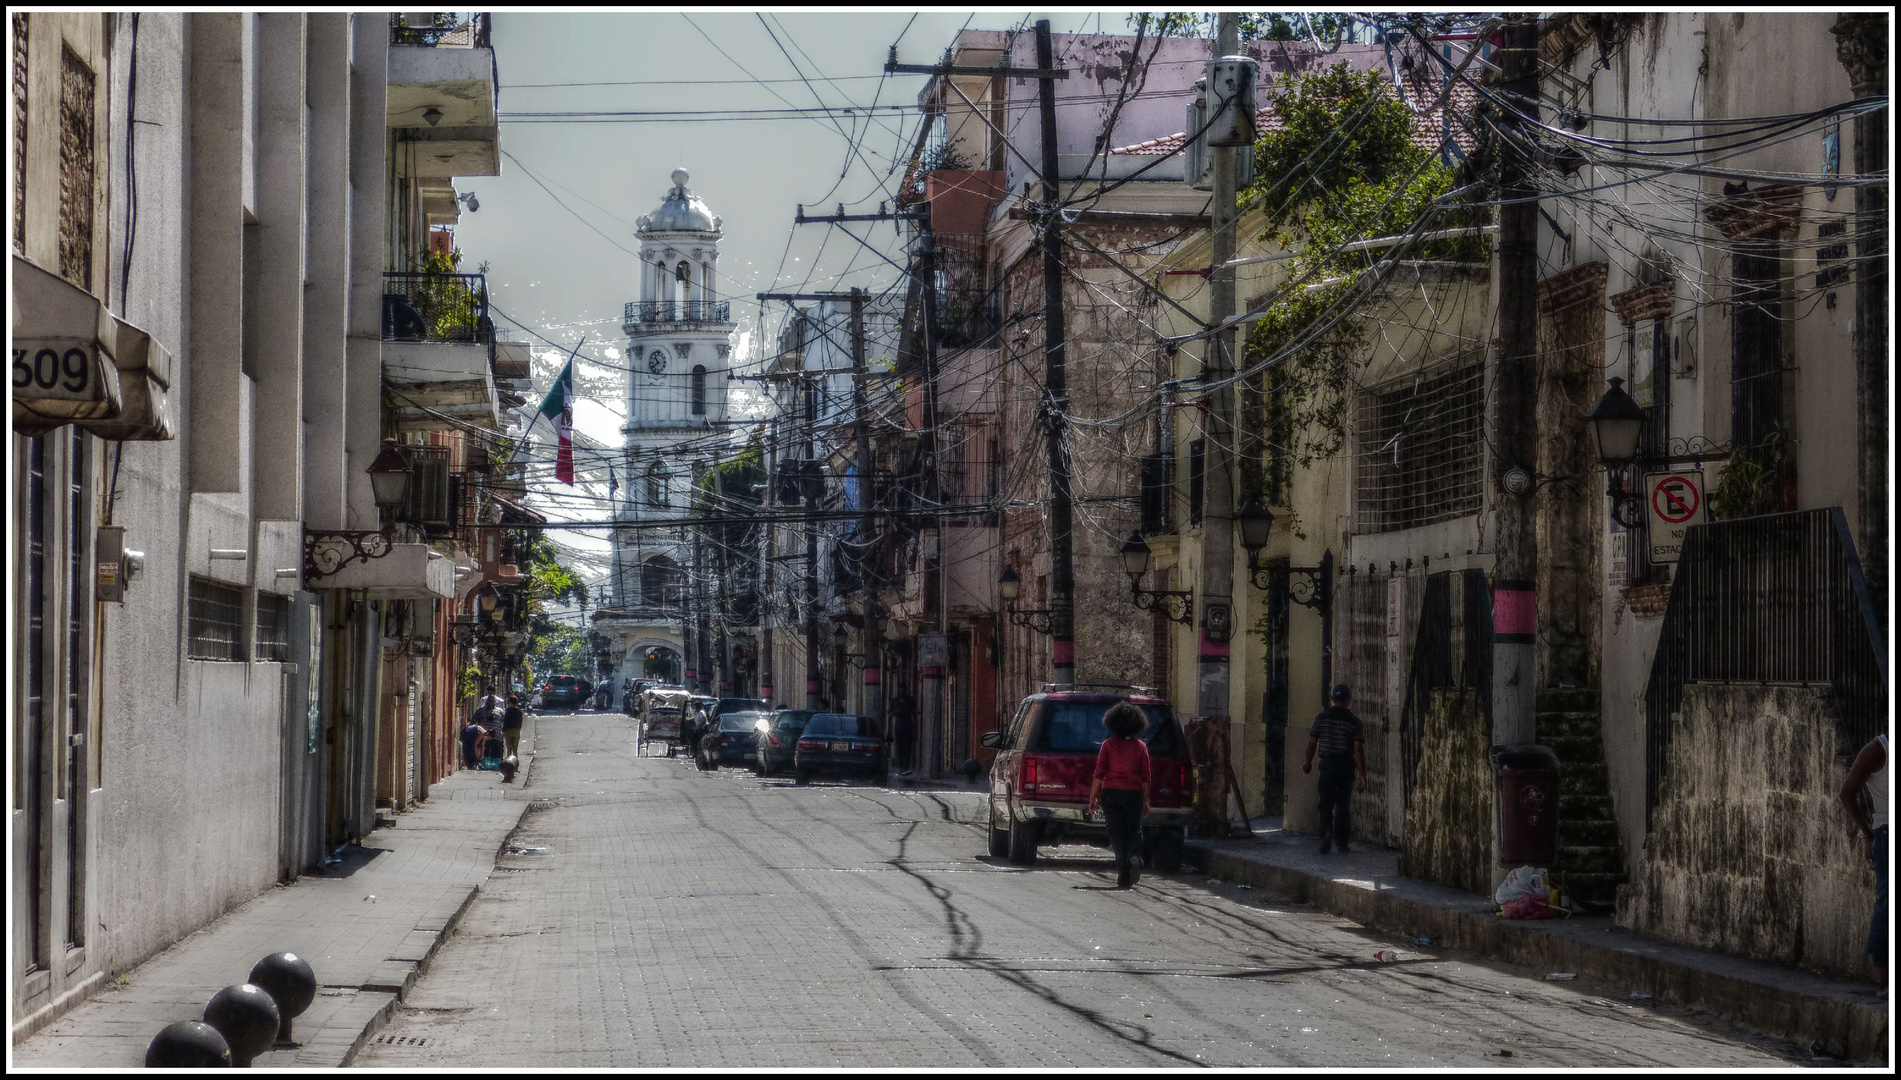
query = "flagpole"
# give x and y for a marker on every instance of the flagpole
(521, 444)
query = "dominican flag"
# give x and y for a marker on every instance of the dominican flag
(558, 407)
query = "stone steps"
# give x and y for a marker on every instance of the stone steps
(1590, 863)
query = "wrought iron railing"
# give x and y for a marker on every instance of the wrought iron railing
(436, 307)
(443, 29)
(969, 312)
(1772, 599)
(677, 311)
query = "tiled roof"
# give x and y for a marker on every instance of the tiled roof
(1428, 127)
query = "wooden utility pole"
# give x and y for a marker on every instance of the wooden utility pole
(809, 478)
(1514, 581)
(1055, 405)
(768, 571)
(867, 525)
(1862, 47)
(1216, 603)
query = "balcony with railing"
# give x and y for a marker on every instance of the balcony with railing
(439, 350)
(442, 91)
(649, 314)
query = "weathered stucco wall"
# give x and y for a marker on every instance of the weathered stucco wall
(1449, 821)
(1750, 851)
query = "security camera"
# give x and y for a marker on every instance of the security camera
(467, 199)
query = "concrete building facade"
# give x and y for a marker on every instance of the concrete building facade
(198, 713)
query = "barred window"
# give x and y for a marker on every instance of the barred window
(1419, 448)
(273, 627)
(76, 89)
(216, 618)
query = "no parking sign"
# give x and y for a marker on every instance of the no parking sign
(1675, 502)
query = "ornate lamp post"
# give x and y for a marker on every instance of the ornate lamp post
(328, 551)
(1135, 563)
(1009, 586)
(1309, 586)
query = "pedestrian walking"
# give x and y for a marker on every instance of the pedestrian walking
(511, 724)
(1121, 787)
(1340, 739)
(1870, 773)
(471, 738)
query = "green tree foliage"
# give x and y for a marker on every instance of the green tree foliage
(561, 650)
(1254, 25)
(726, 495)
(1342, 167)
(545, 579)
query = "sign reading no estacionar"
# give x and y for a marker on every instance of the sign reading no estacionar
(1674, 502)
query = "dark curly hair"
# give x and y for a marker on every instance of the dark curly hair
(1125, 720)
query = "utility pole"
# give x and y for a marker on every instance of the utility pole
(1056, 380)
(695, 656)
(1215, 604)
(1514, 581)
(723, 568)
(868, 562)
(930, 699)
(809, 478)
(1862, 47)
(768, 573)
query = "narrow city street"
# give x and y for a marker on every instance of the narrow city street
(646, 914)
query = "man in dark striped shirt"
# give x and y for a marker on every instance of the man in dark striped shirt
(1341, 742)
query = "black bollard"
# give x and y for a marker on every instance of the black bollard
(188, 1044)
(291, 984)
(247, 1018)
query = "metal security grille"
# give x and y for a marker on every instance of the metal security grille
(1772, 599)
(76, 88)
(19, 131)
(216, 618)
(1418, 448)
(273, 627)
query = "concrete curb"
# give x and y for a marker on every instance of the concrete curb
(1784, 1002)
(419, 967)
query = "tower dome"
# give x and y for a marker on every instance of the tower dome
(680, 211)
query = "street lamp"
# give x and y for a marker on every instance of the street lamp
(1617, 422)
(1135, 563)
(1009, 586)
(389, 479)
(329, 550)
(1617, 425)
(1309, 586)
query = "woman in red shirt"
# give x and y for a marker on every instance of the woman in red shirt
(1122, 787)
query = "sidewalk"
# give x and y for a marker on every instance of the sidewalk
(368, 926)
(1365, 886)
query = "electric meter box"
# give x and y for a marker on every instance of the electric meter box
(1231, 83)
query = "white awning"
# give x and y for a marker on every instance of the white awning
(76, 362)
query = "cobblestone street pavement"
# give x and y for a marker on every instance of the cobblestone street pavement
(646, 914)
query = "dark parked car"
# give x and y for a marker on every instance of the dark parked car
(1046, 762)
(731, 739)
(565, 690)
(839, 743)
(777, 735)
(705, 721)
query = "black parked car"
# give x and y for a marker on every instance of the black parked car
(778, 733)
(839, 743)
(731, 739)
(706, 723)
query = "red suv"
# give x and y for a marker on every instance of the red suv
(1046, 762)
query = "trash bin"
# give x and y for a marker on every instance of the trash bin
(1527, 801)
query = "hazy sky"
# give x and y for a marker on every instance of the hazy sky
(549, 267)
